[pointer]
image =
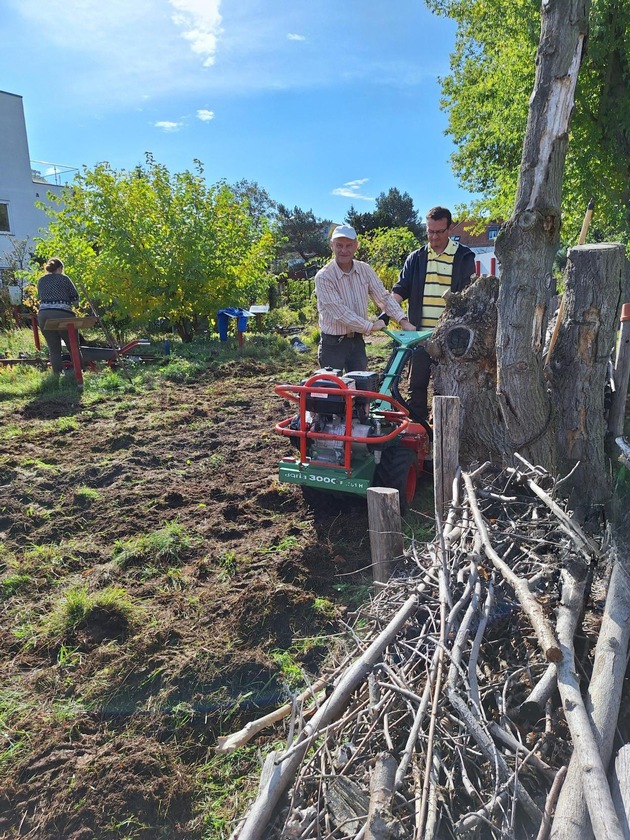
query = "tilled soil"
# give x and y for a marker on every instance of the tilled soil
(109, 718)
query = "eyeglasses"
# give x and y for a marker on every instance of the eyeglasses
(436, 232)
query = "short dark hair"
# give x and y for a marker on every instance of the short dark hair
(437, 213)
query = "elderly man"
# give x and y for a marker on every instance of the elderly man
(427, 274)
(343, 288)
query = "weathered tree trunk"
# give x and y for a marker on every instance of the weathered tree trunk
(464, 346)
(577, 371)
(527, 244)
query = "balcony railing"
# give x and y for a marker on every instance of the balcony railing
(52, 173)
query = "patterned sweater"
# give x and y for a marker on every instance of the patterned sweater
(56, 291)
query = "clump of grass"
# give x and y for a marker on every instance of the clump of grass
(228, 562)
(76, 607)
(223, 782)
(66, 424)
(24, 381)
(14, 711)
(86, 494)
(108, 381)
(353, 595)
(48, 561)
(324, 607)
(291, 670)
(13, 584)
(37, 464)
(167, 545)
(180, 370)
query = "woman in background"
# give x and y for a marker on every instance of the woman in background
(57, 297)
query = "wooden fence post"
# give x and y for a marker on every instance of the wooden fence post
(386, 539)
(445, 451)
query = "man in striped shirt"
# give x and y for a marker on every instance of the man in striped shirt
(343, 288)
(427, 274)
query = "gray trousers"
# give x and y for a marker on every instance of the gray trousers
(54, 338)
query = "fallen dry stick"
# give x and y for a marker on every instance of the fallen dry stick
(530, 605)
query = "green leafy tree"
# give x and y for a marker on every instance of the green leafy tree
(301, 232)
(393, 210)
(487, 93)
(386, 249)
(154, 245)
(260, 206)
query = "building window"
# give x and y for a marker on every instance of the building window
(492, 233)
(5, 227)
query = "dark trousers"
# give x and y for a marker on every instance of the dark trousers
(344, 355)
(420, 374)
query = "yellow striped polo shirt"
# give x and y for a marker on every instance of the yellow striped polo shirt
(438, 281)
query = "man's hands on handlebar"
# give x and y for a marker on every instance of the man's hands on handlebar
(384, 319)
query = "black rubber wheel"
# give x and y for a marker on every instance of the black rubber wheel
(398, 470)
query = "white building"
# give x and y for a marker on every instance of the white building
(21, 186)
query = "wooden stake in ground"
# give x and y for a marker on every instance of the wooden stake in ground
(386, 539)
(445, 450)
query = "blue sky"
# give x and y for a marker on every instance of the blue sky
(325, 104)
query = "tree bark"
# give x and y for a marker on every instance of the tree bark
(527, 244)
(577, 371)
(464, 347)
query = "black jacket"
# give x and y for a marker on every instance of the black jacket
(410, 285)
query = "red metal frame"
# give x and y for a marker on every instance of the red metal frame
(126, 348)
(74, 354)
(338, 388)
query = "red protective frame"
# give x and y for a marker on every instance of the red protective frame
(298, 393)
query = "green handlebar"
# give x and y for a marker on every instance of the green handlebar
(408, 338)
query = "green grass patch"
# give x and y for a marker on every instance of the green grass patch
(169, 544)
(38, 464)
(290, 541)
(324, 607)
(14, 712)
(66, 424)
(14, 584)
(78, 605)
(25, 382)
(224, 783)
(86, 494)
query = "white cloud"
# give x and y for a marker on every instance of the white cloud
(167, 125)
(351, 189)
(201, 22)
(204, 115)
(140, 52)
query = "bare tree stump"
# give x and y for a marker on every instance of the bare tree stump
(595, 282)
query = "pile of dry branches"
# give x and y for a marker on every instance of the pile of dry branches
(464, 702)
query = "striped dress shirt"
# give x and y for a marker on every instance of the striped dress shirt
(342, 298)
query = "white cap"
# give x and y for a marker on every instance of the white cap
(344, 230)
